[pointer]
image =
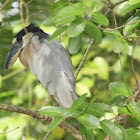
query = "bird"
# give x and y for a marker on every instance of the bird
(49, 61)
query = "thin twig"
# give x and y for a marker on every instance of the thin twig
(107, 11)
(115, 25)
(109, 1)
(111, 5)
(21, 15)
(132, 67)
(46, 101)
(27, 13)
(117, 3)
(28, 2)
(38, 12)
(121, 66)
(115, 22)
(35, 114)
(70, 2)
(120, 61)
(12, 74)
(22, 3)
(9, 21)
(85, 55)
(121, 26)
(9, 131)
(47, 135)
(105, 3)
(1, 8)
(130, 36)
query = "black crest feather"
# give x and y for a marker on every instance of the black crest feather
(31, 28)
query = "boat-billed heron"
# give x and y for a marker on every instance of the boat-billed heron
(50, 62)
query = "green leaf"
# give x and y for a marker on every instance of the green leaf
(93, 109)
(111, 129)
(138, 28)
(76, 27)
(79, 101)
(120, 88)
(100, 134)
(132, 131)
(100, 65)
(125, 7)
(120, 46)
(89, 10)
(50, 110)
(90, 134)
(124, 110)
(55, 123)
(100, 18)
(112, 32)
(87, 3)
(134, 137)
(48, 22)
(74, 114)
(132, 2)
(62, 110)
(104, 107)
(117, 99)
(129, 48)
(57, 6)
(75, 105)
(134, 108)
(93, 31)
(57, 32)
(6, 94)
(89, 121)
(58, 20)
(92, 100)
(74, 10)
(87, 132)
(130, 27)
(74, 44)
(123, 131)
(136, 53)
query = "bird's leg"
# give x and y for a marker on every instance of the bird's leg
(46, 101)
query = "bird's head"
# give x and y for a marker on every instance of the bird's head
(20, 41)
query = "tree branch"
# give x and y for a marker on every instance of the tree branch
(35, 114)
(9, 131)
(105, 3)
(117, 3)
(109, 29)
(85, 55)
(132, 67)
(47, 135)
(22, 3)
(4, 5)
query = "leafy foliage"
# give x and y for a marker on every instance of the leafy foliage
(111, 129)
(75, 24)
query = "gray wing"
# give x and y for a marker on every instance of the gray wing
(53, 67)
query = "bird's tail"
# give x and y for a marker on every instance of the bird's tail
(65, 92)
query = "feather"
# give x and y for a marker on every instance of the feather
(53, 67)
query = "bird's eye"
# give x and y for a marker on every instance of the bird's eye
(19, 39)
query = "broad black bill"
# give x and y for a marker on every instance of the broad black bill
(13, 55)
